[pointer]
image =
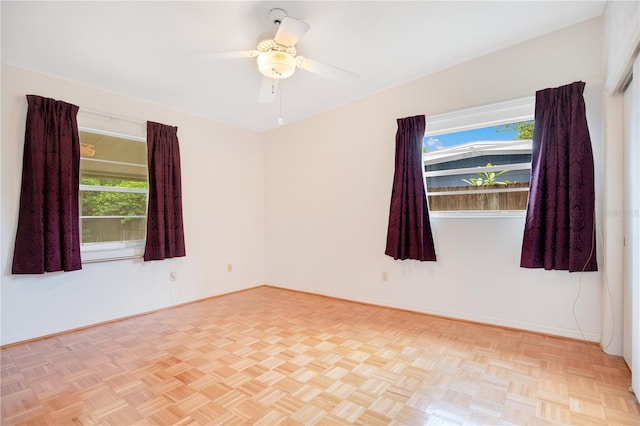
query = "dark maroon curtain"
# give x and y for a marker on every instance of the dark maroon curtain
(409, 232)
(560, 224)
(48, 237)
(165, 236)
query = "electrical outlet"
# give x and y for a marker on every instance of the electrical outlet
(229, 267)
(385, 276)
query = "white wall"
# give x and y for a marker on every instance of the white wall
(611, 226)
(222, 178)
(327, 190)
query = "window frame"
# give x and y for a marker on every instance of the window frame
(112, 250)
(495, 114)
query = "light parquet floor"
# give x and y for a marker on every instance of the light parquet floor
(268, 356)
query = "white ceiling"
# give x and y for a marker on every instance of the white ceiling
(138, 48)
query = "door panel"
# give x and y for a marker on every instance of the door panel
(631, 273)
(627, 297)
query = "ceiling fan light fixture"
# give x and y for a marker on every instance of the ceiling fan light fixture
(276, 64)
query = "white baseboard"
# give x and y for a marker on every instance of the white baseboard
(538, 328)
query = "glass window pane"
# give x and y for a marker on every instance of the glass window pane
(113, 195)
(112, 148)
(112, 174)
(100, 230)
(480, 149)
(96, 203)
(112, 157)
(113, 181)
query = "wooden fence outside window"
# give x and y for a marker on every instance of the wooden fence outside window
(495, 197)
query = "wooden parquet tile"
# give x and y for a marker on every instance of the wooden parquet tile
(269, 356)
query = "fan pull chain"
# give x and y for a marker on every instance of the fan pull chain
(273, 79)
(280, 120)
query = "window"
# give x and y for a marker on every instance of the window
(479, 160)
(113, 195)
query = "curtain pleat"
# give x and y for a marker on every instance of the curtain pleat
(560, 222)
(48, 237)
(165, 235)
(409, 232)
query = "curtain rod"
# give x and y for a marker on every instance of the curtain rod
(111, 116)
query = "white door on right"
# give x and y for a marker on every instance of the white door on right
(631, 273)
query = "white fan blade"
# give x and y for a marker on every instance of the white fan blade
(268, 89)
(325, 70)
(226, 55)
(290, 31)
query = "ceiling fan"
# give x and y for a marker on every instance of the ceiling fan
(276, 55)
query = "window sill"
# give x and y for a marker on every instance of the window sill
(104, 252)
(473, 214)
